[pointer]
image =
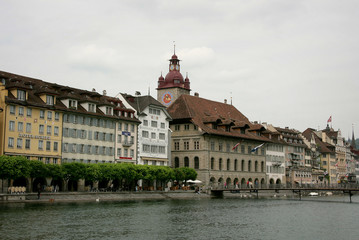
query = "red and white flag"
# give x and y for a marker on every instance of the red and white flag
(330, 119)
(235, 146)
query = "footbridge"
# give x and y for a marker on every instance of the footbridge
(299, 190)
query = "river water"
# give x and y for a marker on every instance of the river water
(229, 218)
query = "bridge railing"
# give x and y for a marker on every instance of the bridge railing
(288, 185)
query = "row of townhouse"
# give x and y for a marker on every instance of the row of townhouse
(54, 124)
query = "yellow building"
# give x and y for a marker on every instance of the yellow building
(30, 125)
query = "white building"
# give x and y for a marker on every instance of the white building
(275, 156)
(153, 132)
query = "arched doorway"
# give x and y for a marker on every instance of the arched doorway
(39, 183)
(243, 183)
(72, 186)
(228, 182)
(256, 182)
(271, 181)
(235, 182)
(57, 185)
(220, 182)
(263, 182)
(212, 182)
(278, 182)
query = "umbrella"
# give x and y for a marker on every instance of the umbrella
(194, 181)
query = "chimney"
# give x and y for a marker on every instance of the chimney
(196, 94)
(286, 127)
(104, 92)
(93, 90)
(137, 93)
(225, 101)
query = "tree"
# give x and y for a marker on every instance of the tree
(54, 171)
(188, 173)
(74, 171)
(38, 169)
(14, 167)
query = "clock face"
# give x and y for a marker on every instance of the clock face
(177, 67)
(172, 67)
(167, 98)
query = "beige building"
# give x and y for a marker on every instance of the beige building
(218, 141)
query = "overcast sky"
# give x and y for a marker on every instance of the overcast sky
(287, 63)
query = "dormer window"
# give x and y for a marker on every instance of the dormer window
(49, 100)
(109, 110)
(21, 95)
(176, 81)
(72, 104)
(91, 107)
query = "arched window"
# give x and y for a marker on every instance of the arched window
(212, 163)
(249, 165)
(176, 162)
(186, 161)
(220, 164)
(242, 166)
(196, 162)
(256, 166)
(262, 166)
(228, 164)
(235, 165)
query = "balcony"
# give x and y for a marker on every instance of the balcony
(127, 143)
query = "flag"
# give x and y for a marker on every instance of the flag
(256, 148)
(330, 119)
(235, 146)
(336, 164)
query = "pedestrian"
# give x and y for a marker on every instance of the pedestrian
(248, 184)
(225, 184)
(38, 190)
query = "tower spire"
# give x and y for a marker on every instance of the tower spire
(174, 47)
(353, 138)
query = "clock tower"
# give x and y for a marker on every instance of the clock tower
(173, 85)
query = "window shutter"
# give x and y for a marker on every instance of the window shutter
(90, 135)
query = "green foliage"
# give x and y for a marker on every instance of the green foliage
(16, 167)
(38, 169)
(74, 171)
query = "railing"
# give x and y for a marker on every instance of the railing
(127, 143)
(287, 186)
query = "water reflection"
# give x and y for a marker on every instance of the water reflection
(182, 219)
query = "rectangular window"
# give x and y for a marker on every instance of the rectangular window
(57, 116)
(146, 148)
(48, 130)
(21, 95)
(125, 152)
(28, 112)
(10, 143)
(212, 146)
(119, 126)
(177, 127)
(186, 145)
(49, 100)
(145, 134)
(12, 109)
(177, 144)
(162, 149)
(72, 104)
(48, 145)
(27, 143)
(220, 146)
(118, 152)
(126, 127)
(145, 122)
(21, 111)
(153, 135)
(66, 147)
(163, 125)
(41, 144)
(132, 128)
(153, 123)
(132, 153)
(41, 129)
(56, 146)
(28, 127)
(154, 149)
(91, 107)
(12, 126)
(242, 148)
(20, 126)
(19, 143)
(186, 127)
(49, 115)
(109, 110)
(47, 160)
(56, 131)
(42, 114)
(196, 145)
(132, 140)
(162, 136)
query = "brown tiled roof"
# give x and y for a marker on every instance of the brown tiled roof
(202, 111)
(322, 146)
(35, 88)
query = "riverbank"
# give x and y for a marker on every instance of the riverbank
(50, 197)
(99, 196)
